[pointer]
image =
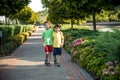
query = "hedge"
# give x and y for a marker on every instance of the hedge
(13, 36)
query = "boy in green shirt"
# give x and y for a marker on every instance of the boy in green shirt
(47, 42)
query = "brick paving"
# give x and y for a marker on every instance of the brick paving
(27, 63)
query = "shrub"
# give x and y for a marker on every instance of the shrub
(12, 37)
(26, 34)
(19, 39)
(7, 31)
(109, 44)
(30, 33)
(7, 48)
(18, 29)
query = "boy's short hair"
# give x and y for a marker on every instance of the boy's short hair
(57, 25)
(46, 22)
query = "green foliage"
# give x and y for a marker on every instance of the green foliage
(60, 10)
(28, 28)
(102, 16)
(14, 35)
(30, 33)
(45, 3)
(115, 14)
(18, 29)
(9, 7)
(7, 31)
(109, 44)
(20, 38)
(7, 48)
(42, 15)
(94, 51)
(26, 34)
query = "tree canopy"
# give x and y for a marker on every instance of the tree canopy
(8, 7)
(78, 9)
(26, 15)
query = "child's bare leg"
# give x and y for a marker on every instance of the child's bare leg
(49, 57)
(58, 60)
(46, 58)
(55, 60)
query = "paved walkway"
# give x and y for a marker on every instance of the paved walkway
(27, 63)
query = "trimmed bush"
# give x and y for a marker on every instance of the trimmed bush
(7, 48)
(30, 33)
(18, 29)
(7, 31)
(13, 36)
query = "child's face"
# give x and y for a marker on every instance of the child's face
(57, 29)
(47, 25)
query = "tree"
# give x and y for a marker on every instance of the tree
(33, 18)
(10, 7)
(95, 6)
(56, 11)
(46, 3)
(26, 15)
(42, 16)
(60, 10)
(78, 9)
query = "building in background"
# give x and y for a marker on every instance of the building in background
(2, 19)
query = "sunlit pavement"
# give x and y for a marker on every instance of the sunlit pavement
(27, 63)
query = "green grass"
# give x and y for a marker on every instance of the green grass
(68, 26)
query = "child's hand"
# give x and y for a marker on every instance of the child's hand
(61, 45)
(43, 45)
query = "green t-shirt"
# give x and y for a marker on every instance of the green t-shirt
(47, 35)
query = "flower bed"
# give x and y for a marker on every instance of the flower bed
(92, 51)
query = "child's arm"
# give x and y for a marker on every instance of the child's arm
(43, 39)
(62, 39)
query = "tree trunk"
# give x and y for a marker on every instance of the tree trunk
(16, 21)
(78, 22)
(94, 20)
(71, 23)
(5, 20)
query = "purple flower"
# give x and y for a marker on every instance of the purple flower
(75, 52)
(113, 72)
(116, 62)
(105, 73)
(109, 63)
(104, 70)
(111, 68)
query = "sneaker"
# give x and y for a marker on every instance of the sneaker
(55, 62)
(48, 64)
(58, 64)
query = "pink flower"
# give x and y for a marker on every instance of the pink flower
(76, 42)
